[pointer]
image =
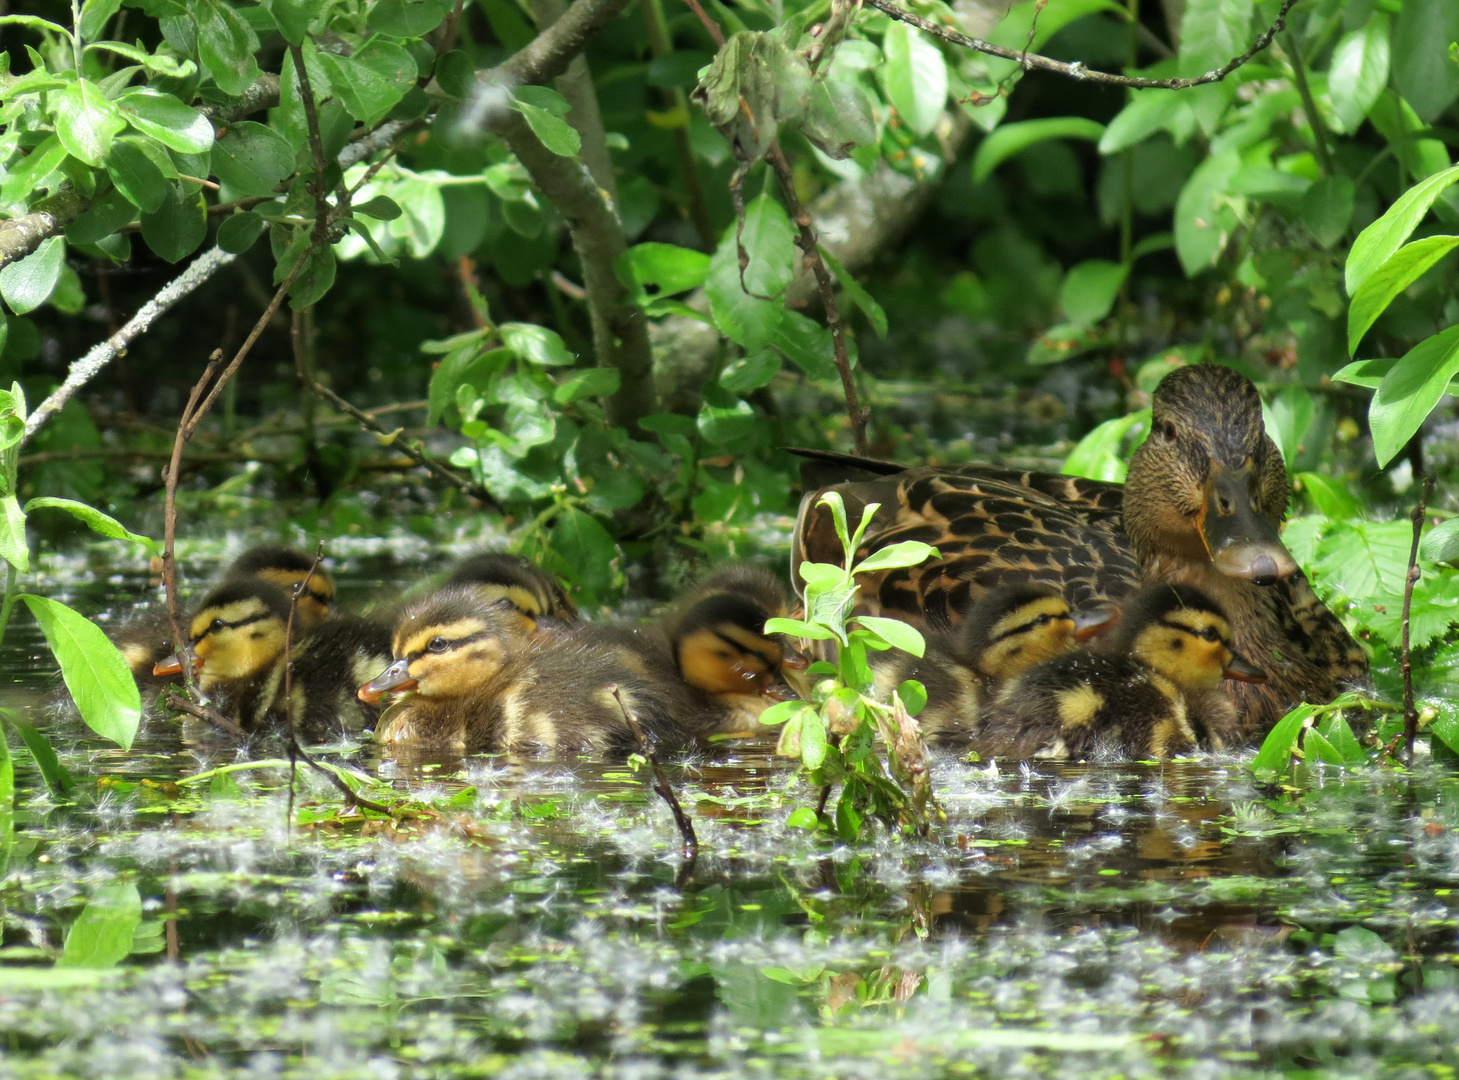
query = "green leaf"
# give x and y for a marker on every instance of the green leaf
(1329, 497)
(1377, 243)
(780, 712)
(586, 547)
(668, 268)
(108, 214)
(799, 628)
(455, 73)
(1203, 221)
(1360, 558)
(171, 122)
(1212, 32)
(86, 122)
(1441, 543)
(913, 696)
(1334, 728)
(839, 118)
(1276, 749)
(407, 18)
(808, 344)
(750, 372)
(1381, 288)
(916, 78)
(895, 633)
(96, 521)
(381, 208)
(95, 673)
(367, 94)
(813, 743)
(1359, 71)
(556, 133)
(136, 175)
(788, 744)
(590, 382)
(1101, 455)
(1410, 391)
(316, 279)
(894, 556)
(28, 284)
(1327, 208)
(101, 937)
(167, 66)
(390, 61)
(293, 17)
(859, 296)
(7, 801)
(13, 547)
(1090, 289)
(1006, 140)
(226, 45)
(725, 422)
(536, 344)
(178, 227)
(240, 231)
(58, 780)
(252, 158)
(803, 818)
(1148, 112)
(95, 14)
(1422, 69)
(751, 320)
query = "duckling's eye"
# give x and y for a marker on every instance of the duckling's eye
(1043, 620)
(216, 625)
(1210, 633)
(1167, 431)
(438, 645)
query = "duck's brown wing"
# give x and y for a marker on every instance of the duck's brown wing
(992, 526)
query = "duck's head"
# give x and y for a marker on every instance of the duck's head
(448, 644)
(1184, 635)
(238, 630)
(287, 569)
(719, 639)
(1014, 627)
(1209, 484)
(517, 585)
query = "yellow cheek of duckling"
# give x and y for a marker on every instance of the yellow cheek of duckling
(239, 652)
(717, 667)
(459, 671)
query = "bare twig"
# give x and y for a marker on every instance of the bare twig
(207, 713)
(169, 519)
(1410, 713)
(87, 367)
(415, 453)
(665, 791)
(808, 242)
(1077, 70)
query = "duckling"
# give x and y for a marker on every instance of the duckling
(517, 584)
(1008, 631)
(1155, 693)
(146, 639)
(479, 681)
(717, 640)
(236, 644)
(1205, 496)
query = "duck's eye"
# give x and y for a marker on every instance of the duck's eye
(216, 625)
(1210, 633)
(1043, 620)
(1167, 431)
(438, 645)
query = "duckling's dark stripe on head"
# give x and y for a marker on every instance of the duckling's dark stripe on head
(740, 646)
(270, 596)
(1152, 605)
(715, 611)
(452, 644)
(247, 620)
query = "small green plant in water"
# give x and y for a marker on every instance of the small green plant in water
(841, 733)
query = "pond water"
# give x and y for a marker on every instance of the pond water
(1075, 921)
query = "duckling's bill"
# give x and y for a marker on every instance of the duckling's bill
(1093, 622)
(1243, 671)
(394, 679)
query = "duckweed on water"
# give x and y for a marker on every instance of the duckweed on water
(521, 920)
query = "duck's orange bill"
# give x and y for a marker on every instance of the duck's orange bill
(1092, 623)
(1241, 671)
(172, 665)
(394, 679)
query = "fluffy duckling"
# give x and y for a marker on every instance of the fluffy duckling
(519, 585)
(1011, 629)
(480, 682)
(716, 637)
(146, 640)
(236, 643)
(1156, 693)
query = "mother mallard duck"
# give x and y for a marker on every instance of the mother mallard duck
(1204, 499)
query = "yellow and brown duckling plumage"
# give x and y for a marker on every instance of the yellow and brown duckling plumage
(1155, 693)
(1008, 631)
(717, 640)
(146, 640)
(518, 585)
(237, 641)
(1205, 495)
(479, 682)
